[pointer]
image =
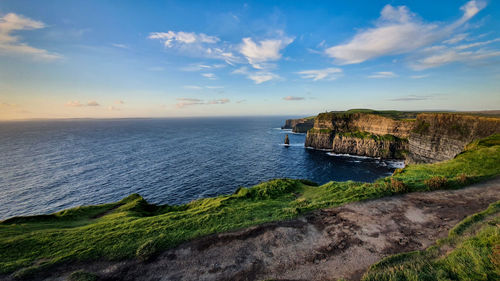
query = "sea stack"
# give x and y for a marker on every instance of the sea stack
(287, 141)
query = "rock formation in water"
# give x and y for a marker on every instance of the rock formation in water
(431, 137)
(287, 140)
(301, 125)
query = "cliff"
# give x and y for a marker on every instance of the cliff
(359, 133)
(441, 136)
(301, 125)
(386, 146)
(432, 137)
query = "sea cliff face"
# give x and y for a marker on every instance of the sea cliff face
(432, 137)
(360, 134)
(373, 146)
(301, 125)
(437, 137)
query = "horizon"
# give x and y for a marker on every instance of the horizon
(171, 59)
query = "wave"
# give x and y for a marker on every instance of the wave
(391, 163)
(351, 155)
(292, 144)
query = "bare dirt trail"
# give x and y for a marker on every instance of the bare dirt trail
(326, 244)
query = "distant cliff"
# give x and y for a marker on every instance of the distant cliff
(431, 137)
(360, 133)
(301, 125)
(437, 137)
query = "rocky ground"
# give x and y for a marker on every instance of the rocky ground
(323, 245)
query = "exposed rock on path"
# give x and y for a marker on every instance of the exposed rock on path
(323, 245)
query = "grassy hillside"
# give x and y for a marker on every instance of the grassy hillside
(133, 228)
(470, 252)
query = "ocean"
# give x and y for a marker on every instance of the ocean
(48, 166)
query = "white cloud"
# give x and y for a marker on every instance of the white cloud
(258, 77)
(292, 98)
(11, 45)
(119, 102)
(383, 74)
(397, 31)
(258, 53)
(171, 37)
(319, 74)
(92, 103)
(210, 76)
(113, 108)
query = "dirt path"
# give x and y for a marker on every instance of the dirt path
(324, 245)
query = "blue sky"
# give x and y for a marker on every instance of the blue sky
(61, 59)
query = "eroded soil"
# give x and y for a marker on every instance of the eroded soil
(323, 245)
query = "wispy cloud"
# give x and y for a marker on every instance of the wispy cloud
(121, 46)
(185, 102)
(456, 38)
(439, 57)
(383, 74)
(476, 44)
(119, 102)
(201, 66)
(411, 98)
(293, 98)
(419, 76)
(397, 31)
(210, 76)
(196, 44)
(79, 104)
(11, 44)
(218, 101)
(171, 37)
(74, 104)
(193, 87)
(320, 74)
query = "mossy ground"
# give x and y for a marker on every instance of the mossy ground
(117, 230)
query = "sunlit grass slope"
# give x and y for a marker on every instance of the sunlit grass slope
(133, 228)
(470, 252)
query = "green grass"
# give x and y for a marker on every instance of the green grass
(133, 228)
(470, 252)
(394, 114)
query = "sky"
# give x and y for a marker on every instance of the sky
(114, 59)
